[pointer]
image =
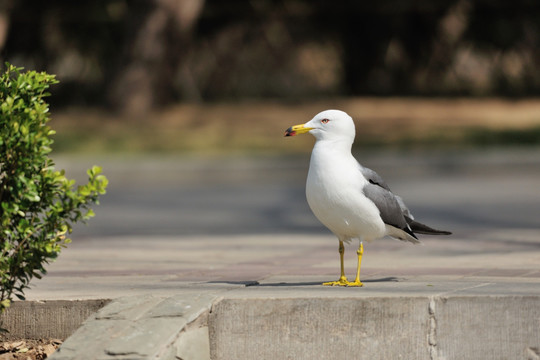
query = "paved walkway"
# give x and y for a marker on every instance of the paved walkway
(234, 297)
(109, 268)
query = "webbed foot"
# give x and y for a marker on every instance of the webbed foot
(343, 282)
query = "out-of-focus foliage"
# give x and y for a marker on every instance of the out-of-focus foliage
(38, 204)
(136, 55)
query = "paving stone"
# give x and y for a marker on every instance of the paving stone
(187, 307)
(139, 327)
(146, 337)
(128, 308)
(90, 340)
(194, 342)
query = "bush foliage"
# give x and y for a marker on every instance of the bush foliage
(39, 205)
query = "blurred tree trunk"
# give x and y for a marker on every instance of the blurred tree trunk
(159, 34)
(5, 10)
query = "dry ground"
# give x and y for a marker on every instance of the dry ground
(28, 349)
(259, 126)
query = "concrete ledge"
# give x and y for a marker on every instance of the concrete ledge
(55, 319)
(259, 297)
(488, 327)
(312, 322)
(319, 328)
(475, 327)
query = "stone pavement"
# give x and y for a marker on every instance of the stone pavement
(259, 297)
(109, 268)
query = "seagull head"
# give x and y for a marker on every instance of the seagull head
(327, 125)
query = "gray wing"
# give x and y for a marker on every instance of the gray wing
(373, 177)
(388, 205)
(377, 180)
(392, 208)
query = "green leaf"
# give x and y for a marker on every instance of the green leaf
(5, 303)
(90, 213)
(38, 203)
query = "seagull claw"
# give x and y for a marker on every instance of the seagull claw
(356, 283)
(344, 282)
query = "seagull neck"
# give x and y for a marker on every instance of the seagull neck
(333, 146)
(331, 153)
(333, 162)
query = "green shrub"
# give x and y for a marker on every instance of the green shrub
(39, 205)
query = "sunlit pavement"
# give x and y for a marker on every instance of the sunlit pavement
(193, 219)
(236, 233)
(466, 192)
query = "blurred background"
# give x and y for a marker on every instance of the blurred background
(184, 103)
(136, 55)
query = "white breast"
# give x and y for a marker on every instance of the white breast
(334, 194)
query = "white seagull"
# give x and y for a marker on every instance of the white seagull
(352, 201)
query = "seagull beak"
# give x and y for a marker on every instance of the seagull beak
(297, 129)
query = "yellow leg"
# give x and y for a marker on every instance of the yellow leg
(342, 279)
(357, 281)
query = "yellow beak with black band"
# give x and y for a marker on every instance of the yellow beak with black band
(297, 129)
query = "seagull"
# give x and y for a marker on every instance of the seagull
(352, 201)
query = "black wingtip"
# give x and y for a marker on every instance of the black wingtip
(409, 231)
(433, 232)
(420, 228)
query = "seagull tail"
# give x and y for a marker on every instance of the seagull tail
(404, 234)
(420, 228)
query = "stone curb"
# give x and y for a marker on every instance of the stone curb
(472, 320)
(55, 319)
(480, 327)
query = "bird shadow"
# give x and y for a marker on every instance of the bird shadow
(250, 283)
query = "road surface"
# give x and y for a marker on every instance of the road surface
(466, 192)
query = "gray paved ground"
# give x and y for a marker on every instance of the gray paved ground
(166, 222)
(114, 267)
(175, 238)
(462, 191)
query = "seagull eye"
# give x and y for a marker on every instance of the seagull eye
(325, 121)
